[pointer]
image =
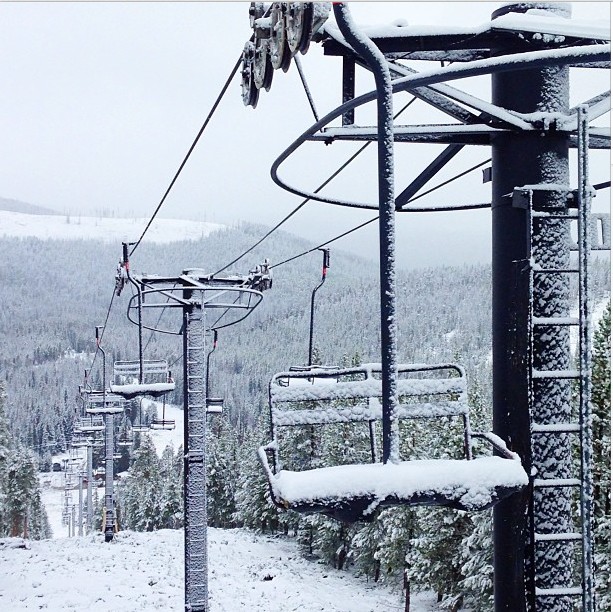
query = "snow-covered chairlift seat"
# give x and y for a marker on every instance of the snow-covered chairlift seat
(104, 403)
(89, 425)
(353, 492)
(156, 379)
(163, 423)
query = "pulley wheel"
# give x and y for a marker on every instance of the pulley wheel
(250, 92)
(262, 66)
(280, 54)
(299, 26)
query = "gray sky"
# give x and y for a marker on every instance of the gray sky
(102, 100)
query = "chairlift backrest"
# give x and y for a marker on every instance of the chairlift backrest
(353, 394)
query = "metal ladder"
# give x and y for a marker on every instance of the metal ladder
(560, 391)
(196, 570)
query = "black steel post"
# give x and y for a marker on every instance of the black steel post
(348, 88)
(194, 410)
(518, 159)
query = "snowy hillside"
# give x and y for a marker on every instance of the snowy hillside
(144, 571)
(107, 229)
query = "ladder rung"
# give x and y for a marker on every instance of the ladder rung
(558, 592)
(555, 321)
(551, 483)
(555, 270)
(541, 214)
(556, 537)
(561, 374)
(556, 428)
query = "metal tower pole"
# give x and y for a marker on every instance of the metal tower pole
(194, 406)
(90, 501)
(80, 514)
(518, 159)
(109, 510)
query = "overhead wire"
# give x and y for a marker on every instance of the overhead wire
(106, 320)
(192, 147)
(361, 225)
(306, 200)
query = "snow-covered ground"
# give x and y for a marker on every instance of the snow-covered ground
(107, 229)
(144, 571)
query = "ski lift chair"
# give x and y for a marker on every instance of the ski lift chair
(104, 403)
(89, 425)
(322, 396)
(163, 423)
(125, 438)
(139, 425)
(154, 379)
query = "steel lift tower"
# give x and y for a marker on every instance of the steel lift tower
(542, 547)
(229, 300)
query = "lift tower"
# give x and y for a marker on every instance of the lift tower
(528, 49)
(228, 300)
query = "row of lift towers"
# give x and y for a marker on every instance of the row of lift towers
(530, 129)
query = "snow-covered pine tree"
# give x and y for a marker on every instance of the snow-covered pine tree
(24, 514)
(141, 491)
(254, 507)
(171, 494)
(4, 457)
(476, 554)
(601, 400)
(435, 558)
(221, 474)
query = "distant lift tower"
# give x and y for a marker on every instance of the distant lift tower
(228, 300)
(542, 548)
(106, 404)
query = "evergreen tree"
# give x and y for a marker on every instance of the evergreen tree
(4, 458)
(476, 555)
(142, 490)
(222, 468)
(601, 400)
(254, 507)
(24, 515)
(171, 489)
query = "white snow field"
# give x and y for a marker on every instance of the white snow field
(107, 229)
(144, 571)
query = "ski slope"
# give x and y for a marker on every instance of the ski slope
(144, 571)
(106, 229)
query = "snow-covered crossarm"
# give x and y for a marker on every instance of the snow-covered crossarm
(353, 492)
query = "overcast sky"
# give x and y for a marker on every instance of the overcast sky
(100, 102)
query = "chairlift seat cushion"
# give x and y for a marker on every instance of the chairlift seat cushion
(112, 409)
(354, 492)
